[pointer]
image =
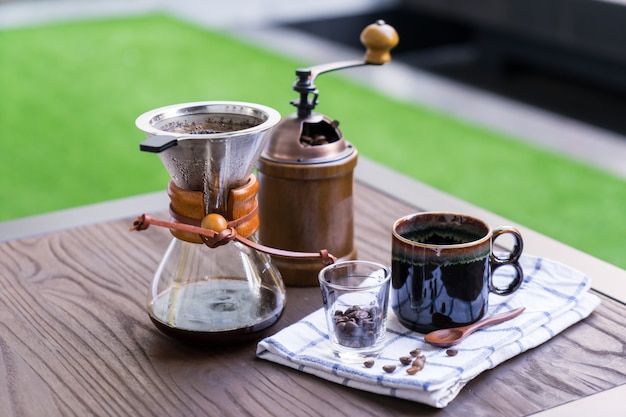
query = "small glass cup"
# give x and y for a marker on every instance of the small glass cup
(356, 297)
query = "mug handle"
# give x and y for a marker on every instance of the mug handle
(511, 258)
(515, 253)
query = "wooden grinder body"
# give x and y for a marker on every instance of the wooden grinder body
(307, 207)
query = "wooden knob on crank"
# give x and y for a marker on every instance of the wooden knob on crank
(379, 38)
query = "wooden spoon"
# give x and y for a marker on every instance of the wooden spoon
(454, 335)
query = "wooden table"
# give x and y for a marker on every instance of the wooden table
(75, 338)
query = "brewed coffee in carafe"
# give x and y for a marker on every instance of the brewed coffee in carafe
(212, 294)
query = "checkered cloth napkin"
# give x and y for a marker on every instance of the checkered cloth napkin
(555, 296)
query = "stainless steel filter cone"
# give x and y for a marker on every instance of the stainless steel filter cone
(208, 146)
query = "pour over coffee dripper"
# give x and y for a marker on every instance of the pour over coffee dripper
(221, 294)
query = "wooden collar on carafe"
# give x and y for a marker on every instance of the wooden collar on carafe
(241, 212)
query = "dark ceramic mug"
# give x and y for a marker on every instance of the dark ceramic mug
(442, 269)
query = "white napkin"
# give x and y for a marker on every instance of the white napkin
(555, 296)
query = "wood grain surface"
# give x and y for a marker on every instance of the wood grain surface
(75, 340)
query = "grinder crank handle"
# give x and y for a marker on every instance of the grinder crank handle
(378, 38)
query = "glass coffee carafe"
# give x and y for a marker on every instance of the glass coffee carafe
(224, 293)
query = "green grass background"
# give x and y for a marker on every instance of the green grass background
(69, 95)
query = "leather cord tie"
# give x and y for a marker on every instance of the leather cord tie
(214, 239)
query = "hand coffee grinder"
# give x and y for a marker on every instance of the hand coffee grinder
(212, 291)
(306, 172)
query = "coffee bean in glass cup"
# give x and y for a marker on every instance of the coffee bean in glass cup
(358, 327)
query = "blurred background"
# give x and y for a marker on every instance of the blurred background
(512, 105)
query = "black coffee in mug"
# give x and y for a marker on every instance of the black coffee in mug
(442, 268)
